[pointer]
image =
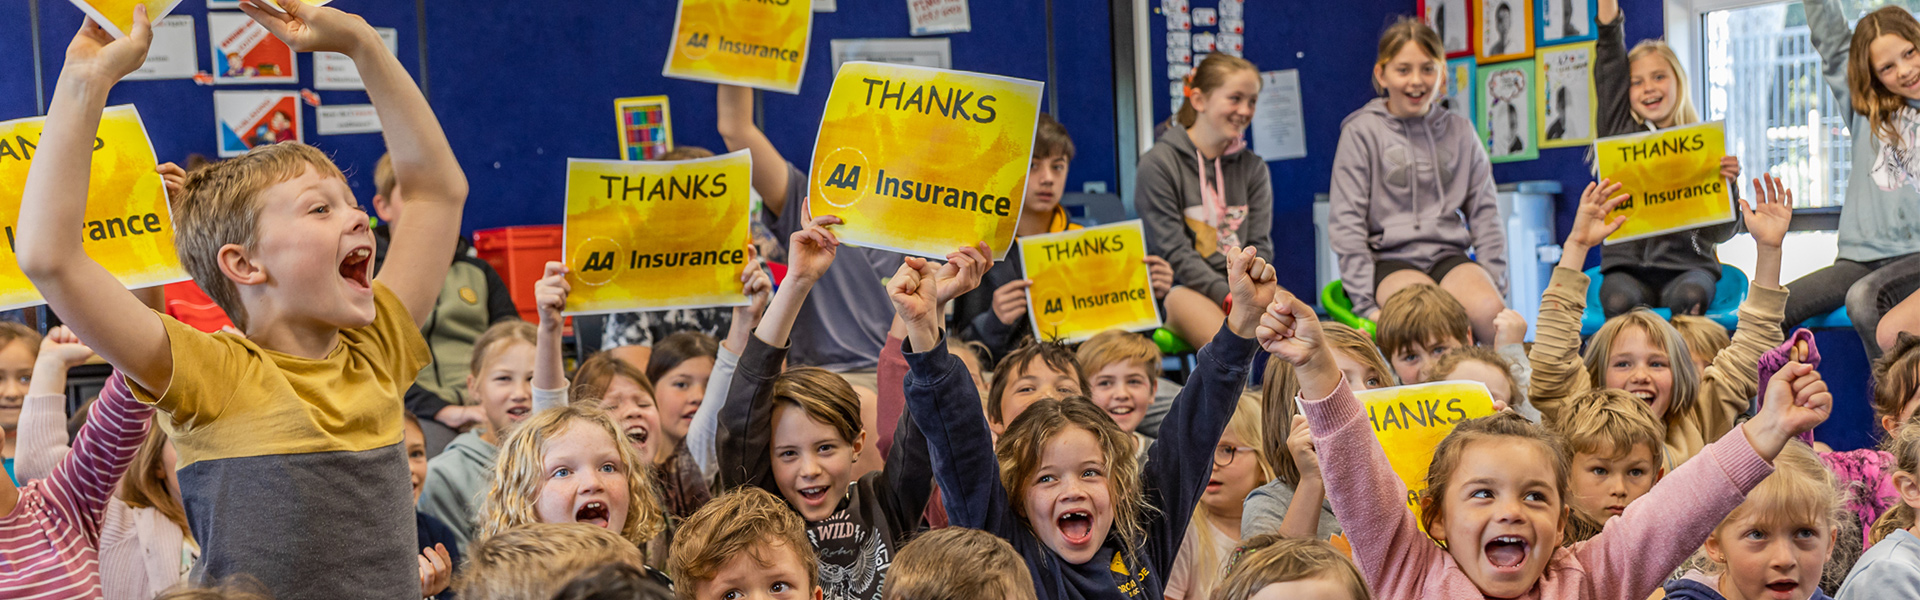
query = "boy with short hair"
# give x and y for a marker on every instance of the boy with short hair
(746, 539)
(1418, 325)
(1123, 375)
(472, 298)
(1036, 371)
(1614, 443)
(1705, 338)
(957, 563)
(290, 456)
(533, 561)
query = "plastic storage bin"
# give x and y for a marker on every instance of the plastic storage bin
(520, 254)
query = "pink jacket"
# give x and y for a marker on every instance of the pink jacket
(1630, 559)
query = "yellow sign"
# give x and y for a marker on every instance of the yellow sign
(657, 235)
(922, 160)
(1411, 420)
(1672, 179)
(128, 228)
(1088, 281)
(116, 16)
(755, 43)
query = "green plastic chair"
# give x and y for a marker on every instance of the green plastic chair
(1170, 344)
(1334, 299)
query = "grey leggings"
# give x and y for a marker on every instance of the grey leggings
(1867, 289)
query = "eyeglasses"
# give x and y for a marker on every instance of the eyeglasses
(1223, 455)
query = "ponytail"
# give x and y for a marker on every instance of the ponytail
(1206, 77)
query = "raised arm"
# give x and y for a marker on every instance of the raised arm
(436, 188)
(54, 203)
(1558, 373)
(1833, 38)
(85, 479)
(1388, 545)
(1612, 74)
(909, 467)
(549, 367)
(733, 108)
(1734, 375)
(1347, 221)
(702, 434)
(43, 421)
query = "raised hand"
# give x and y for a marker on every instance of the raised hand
(1300, 445)
(1290, 330)
(62, 348)
(913, 291)
(1771, 212)
(1159, 276)
(308, 28)
(1797, 401)
(755, 283)
(95, 55)
(1252, 284)
(436, 567)
(1509, 327)
(173, 178)
(1590, 223)
(550, 294)
(963, 271)
(812, 249)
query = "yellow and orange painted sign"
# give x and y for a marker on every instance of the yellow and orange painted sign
(1672, 178)
(1411, 420)
(1087, 281)
(657, 235)
(922, 160)
(116, 16)
(754, 43)
(128, 228)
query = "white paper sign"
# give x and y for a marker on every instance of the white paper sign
(174, 53)
(1279, 129)
(935, 17)
(335, 71)
(825, 6)
(936, 53)
(1205, 17)
(1202, 42)
(341, 119)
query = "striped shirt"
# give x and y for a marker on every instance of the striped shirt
(49, 544)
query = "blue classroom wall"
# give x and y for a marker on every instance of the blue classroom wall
(16, 62)
(179, 113)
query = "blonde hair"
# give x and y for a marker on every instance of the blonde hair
(747, 520)
(1704, 338)
(1904, 445)
(956, 563)
(1207, 563)
(1611, 420)
(499, 337)
(1447, 456)
(383, 178)
(1421, 314)
(1686, 377)
(1279, 386)
(1361, 349)
(1801, 491)
(1408, 30)
(533, 560)
(1452, 359)
(221, 204)
(1683, 111)
(518, 475)
(1027, 436)
(1112, 346)
(145, 483)
(824, 396)
(1270, 559)
(11, 331)
(1870, 97)
(595, 375)
(1206, 77)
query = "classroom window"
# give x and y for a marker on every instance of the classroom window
(1763, 76)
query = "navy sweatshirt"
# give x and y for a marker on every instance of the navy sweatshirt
(941, 395)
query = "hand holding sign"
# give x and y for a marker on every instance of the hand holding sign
(308, 28)
(1010, 301)
(96, 56)
(1675, 178)
(1081, 282)
(1251, 282)
(1159, 276)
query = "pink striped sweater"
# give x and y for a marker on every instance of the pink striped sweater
(1629, 560)
(49, 543)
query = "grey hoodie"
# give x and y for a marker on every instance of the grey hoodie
(1411, 190)
(1874, 223)
(1168, 186)
(457, 480)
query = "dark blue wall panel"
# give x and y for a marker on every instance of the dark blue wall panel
(16, 61)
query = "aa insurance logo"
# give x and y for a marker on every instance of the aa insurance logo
(846, 168)
(595, 258)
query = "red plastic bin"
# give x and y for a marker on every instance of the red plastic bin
(520, 254)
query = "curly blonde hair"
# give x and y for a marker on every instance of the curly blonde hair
(518, 476)
(1020, 447)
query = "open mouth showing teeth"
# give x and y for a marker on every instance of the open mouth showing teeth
(1784, 586)
(354, 268)
(592, 512)
(1076, 526)
(518, 411)
(1120, 410)
(1643, 396)
(1506, 551)
(813, 494)
(637, 435)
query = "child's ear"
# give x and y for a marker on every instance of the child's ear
(1908, 487)
(859, 444)
(818, 594)
(1714, 552)
(235, 264)
(1438, 529)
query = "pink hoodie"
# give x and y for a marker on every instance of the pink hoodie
(1630, 559)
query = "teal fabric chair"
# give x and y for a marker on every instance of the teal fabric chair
(1727, 296)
